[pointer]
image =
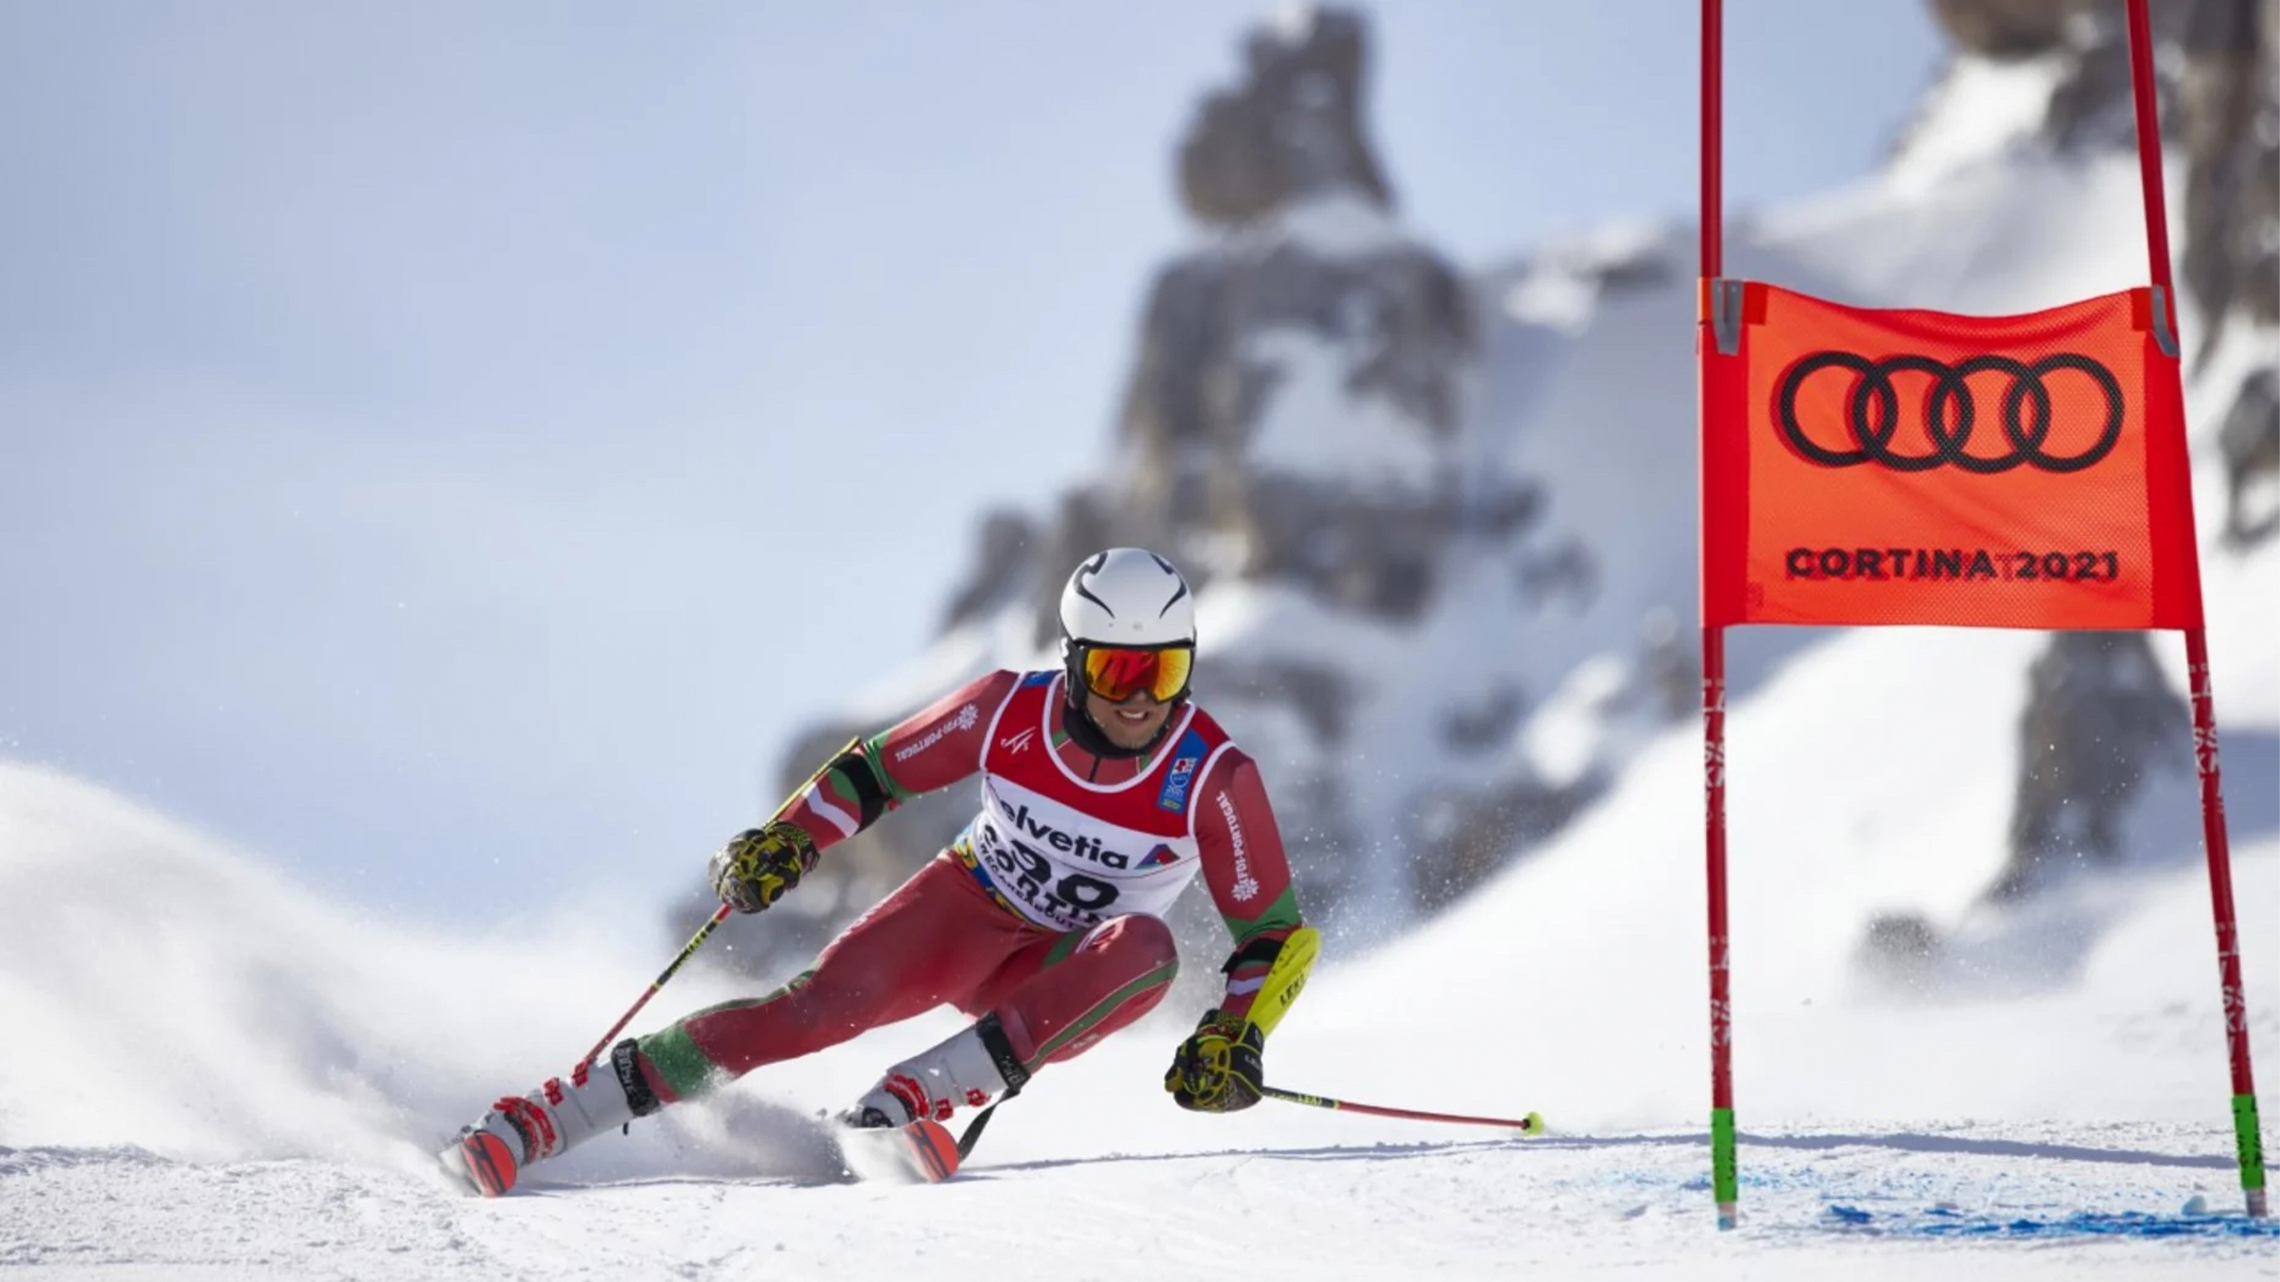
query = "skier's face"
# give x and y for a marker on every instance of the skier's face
(1130, 724)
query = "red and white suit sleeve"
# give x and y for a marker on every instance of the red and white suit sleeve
(1244, 865)
(932, 748)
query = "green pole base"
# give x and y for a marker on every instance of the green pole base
(2251, 1142)
(1725, 1181)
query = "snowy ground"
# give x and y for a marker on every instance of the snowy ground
(1978, 1201)
(217, 1075)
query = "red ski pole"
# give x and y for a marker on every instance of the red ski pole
(688, 950)
(1532, 1124)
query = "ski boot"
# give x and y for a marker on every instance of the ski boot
(490, 1155)
(895, 1131)
(965, 1071)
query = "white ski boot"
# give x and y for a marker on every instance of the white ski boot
(895, 1131)
(555, 1118)
(965, 1071)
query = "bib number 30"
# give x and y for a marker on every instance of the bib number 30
(1075, 891)
(1087, 894)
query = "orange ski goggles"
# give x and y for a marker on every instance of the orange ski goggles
(1116, 673)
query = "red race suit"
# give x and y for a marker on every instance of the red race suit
(1047, 910)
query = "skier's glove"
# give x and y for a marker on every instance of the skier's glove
(758, 865)
(1217, 1069)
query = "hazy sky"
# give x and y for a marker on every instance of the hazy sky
(447, 448)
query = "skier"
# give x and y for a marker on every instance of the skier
(1104, 790)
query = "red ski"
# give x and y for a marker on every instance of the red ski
(921, 1153)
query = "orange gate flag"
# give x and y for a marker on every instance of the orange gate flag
(1865, 466)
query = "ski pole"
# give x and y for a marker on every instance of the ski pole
(688, 950)
(1532, 1124)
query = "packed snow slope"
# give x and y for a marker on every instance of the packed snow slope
(218, 1075)
(213, 1073)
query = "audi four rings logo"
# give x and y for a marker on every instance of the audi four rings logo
(1951, 412)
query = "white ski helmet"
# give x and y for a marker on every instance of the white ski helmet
(1126, 597)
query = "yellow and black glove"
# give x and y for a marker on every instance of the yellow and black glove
(1217, 1069)
(758, 865)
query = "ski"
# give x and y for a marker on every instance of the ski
(921, 1153)
(480, 1162)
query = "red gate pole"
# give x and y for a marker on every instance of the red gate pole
(1724, 1181)
(2246, 1134)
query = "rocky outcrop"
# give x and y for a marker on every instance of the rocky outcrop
(1295, 412)
(2100, 722)
(1306, 301)
(2249, 442)
(1001, 575)
(1291, 130)
(2101, 728)
(1227, 334)
(2218, 74)
(1462, 837)
(2007, 28)
(2229, 94)
(1310, 272)
(2101, 718)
